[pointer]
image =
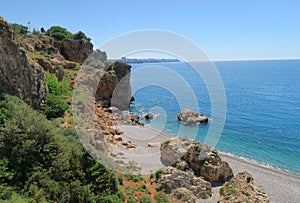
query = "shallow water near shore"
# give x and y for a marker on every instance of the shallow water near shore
(263, 109)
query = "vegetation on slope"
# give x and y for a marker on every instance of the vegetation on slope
(43, 162)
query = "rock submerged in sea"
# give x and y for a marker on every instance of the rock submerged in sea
(149, 116)
(188, 117)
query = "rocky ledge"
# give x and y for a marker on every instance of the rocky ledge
(188, 117)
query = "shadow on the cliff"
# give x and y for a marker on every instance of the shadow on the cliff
(220, 183)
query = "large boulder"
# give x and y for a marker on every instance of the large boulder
(206, 162)
(188, 117)
(17, 76)
(174, 149)
(182, 185)
(203, 160)
(242, 189)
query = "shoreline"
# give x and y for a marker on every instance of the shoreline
(243, 159)
(259, 164)
(280, 186)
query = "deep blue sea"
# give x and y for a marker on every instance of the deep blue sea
(262, 107)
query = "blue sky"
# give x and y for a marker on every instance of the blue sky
(231, 29)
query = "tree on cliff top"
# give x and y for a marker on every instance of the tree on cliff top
(58, 33)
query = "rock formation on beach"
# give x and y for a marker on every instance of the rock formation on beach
(182, 185)
(17, 76)
(242, 189)
(188, 117)
(203, 160)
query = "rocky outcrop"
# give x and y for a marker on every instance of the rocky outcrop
(17, 76)
(124, 117)
(101, 55)
(41, 50)
(206, 162)
(74, 50)
(174, 149)
(242, 189)
(114, 87)
(203, 160)
(182, 185)
(188, 117)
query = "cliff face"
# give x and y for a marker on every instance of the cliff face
(114, 87)
(17, 76)
(74, 50)
(55, 56)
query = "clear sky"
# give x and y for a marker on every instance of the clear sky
(224, 29)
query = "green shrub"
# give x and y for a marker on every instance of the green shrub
(121, 195)
(222, 190)
(6, 192)
(143, 188)
(231, 191)
(120, 179)
(47, 162)
(4, 115)
(80, 35)
(54, 107)
(161, 197)
(131, 200)
(19, 29)
(36, 32)
(58, 88)
(111, 199)
(158, 173)
(145, 199)
(135, 178)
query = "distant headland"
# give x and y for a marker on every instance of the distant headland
(144, 60)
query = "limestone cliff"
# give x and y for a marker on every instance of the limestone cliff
(114, 87)
(17, 76)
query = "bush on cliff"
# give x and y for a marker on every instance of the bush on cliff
(58, 33)
(56, 105)
(42, 162)
(80, 35)
(19, 29)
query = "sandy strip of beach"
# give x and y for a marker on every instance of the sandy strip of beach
(279, 185)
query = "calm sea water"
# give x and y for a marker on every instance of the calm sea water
(262, 107)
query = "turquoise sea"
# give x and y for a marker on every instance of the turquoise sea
(262, 108)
